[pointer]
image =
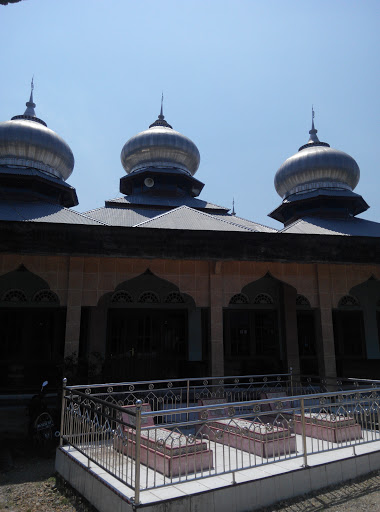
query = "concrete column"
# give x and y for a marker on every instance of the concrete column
(327, 348)
(291, 332)
(74, 304)
(216, 320)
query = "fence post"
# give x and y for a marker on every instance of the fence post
(187, 397)
(303, 419)
(291, 381)
(138, 451)
(64, 383)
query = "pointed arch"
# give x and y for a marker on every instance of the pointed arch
(146, 288)
(152, 328)
(32, 327)
(22, 286)
(254, 336)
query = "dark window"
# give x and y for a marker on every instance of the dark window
(146, 344)
(252, 341)
(32, 340)
(349, 334)
(240, 333)
(307, 342)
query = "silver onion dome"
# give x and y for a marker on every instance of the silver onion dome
(160, 146)
(26, 141)
(316, 165)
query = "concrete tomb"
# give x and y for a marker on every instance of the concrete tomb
(264, 440)
(336, 428)
(166, 451)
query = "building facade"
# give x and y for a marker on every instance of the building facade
(161, 284)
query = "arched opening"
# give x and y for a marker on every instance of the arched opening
(254, 329)
(32, 332)
(357, 331)
(152, 331)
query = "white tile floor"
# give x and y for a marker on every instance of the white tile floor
(284, 477)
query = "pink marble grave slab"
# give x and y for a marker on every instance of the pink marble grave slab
(264, 440)
(329, 427)
(168, 452)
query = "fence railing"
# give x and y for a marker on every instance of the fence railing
(139, 439)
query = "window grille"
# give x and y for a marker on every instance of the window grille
(46, 296)
(263, 298)
(239, 298)
(348, 300)
(174, 298)
(121, 296)
(149, 297)
(301, 300)
(14, 296)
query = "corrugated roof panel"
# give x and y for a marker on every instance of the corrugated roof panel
(189, 218)
(123, 216)
(42, 212)
(144, 199)
(244, 222)
(346, 227)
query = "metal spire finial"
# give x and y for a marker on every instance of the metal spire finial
(233, 207)
(313, 131)
(161, 118)
(30, 104)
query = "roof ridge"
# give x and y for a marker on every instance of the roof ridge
(254, 222)
(199, 212)
(162, 215)
(81, 215)
(290, 225)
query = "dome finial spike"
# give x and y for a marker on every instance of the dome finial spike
(31, 90)
(313, 131)
(233, 207)
(161, 116)
(160, 121)
(30, 104)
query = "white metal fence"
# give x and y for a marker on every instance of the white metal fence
(158, 433)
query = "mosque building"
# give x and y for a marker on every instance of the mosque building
(162, 284)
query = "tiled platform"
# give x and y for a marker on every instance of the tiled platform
(240, 491)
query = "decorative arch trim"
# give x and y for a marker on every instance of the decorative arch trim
(149, 297)
(174, 298)
(263, 298)
(25, 288)
(239, 298)
(121, 296)
(266, 290)
(46, 296)
(14, 296)
(348, 301)
(147, 288)
(301, 300)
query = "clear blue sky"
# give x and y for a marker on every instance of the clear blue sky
(239, 78)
